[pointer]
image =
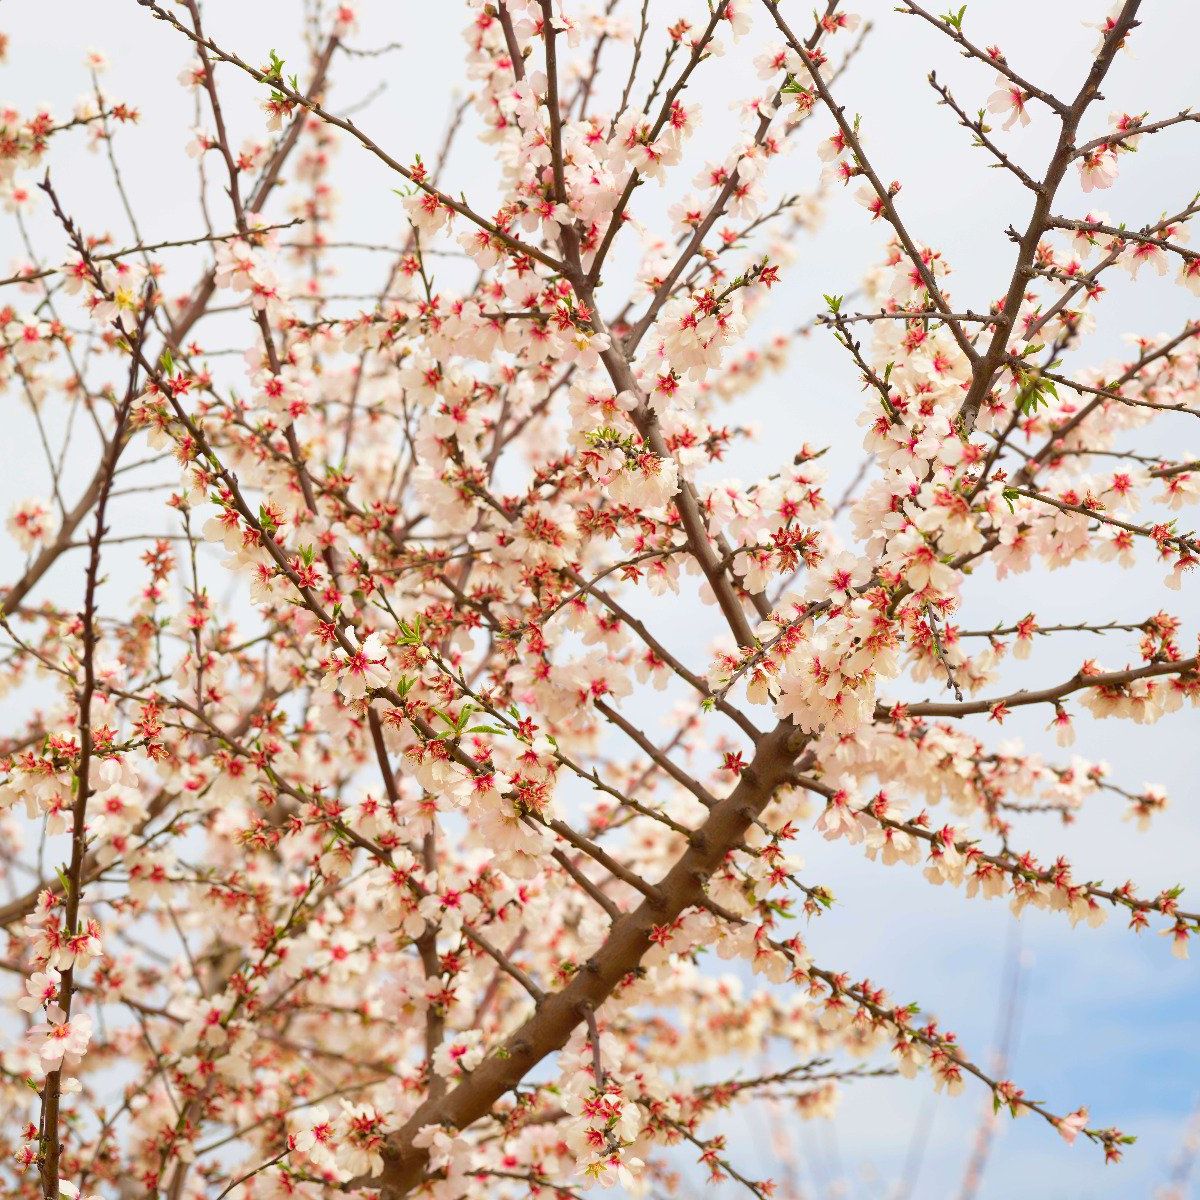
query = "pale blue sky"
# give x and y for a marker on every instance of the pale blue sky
(1109, 1019)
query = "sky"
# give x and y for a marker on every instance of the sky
(1106, 1018)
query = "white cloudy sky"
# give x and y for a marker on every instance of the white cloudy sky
(1107, 1019)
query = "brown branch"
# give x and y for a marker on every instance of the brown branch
(984, 370)
(628, 940)
(1077, 683)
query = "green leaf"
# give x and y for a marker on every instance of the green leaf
(1035, 387)
(410, 632)
(955, 19)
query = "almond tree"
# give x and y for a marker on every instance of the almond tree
(341, 856)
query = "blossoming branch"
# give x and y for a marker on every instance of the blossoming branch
(340, 852)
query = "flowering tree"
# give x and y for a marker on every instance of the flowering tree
(342, 857)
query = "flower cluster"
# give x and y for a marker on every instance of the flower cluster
(342, 843)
